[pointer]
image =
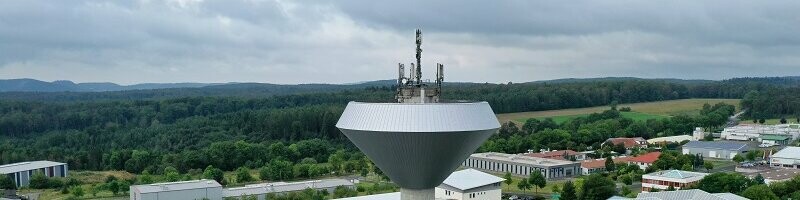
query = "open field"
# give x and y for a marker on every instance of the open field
(660, 108)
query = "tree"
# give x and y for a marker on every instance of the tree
(114, 187)
(39, 181)
(626, 179)
(610, 166)
(758, 179)
(508, 180)
(243, 175)
(708, 165)
(620, 148)
(738, 158)
(524, 185)
(670, 188)
(569, 192)
(751, 155)
(597, 187)
(172, 174)
(759, 192)
(783, 120)
(762, 121)
(538, 180)
(277, 170)
(724, 182)
(687, 167)
(7, 183)
(214, 173)
(77, 191)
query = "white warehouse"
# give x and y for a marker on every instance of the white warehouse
(188, 190)
(22, 172)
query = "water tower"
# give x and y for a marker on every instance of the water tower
(418, 141)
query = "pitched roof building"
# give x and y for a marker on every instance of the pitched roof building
(628, 142)
(788, 157)
(717, 149)
(22, 172)
(693, 194)
(645, 160)
(678, 179)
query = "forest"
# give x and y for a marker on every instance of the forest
(147, 130)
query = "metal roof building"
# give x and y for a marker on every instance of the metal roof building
(521, 165)
(189, 190)
(261, 190)
(678, 179)
(788, 157)
(22, 172)
(470, 184)
(464, 184)
(717, 149)
(693, 194)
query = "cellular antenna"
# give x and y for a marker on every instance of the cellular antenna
(414, 89)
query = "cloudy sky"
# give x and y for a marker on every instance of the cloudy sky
(344, 41)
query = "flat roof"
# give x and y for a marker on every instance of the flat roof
(25, 166)
(775, 137)
(522, 159)
(676, 174)
(788, 152)
(722, 145)
(776, 174)
(471, 178)
(687, 194)
(384, 196)
(278, 187)
(175, 186)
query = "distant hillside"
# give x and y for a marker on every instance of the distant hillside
(583, 80)
(33, 85)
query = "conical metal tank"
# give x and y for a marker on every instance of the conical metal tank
(417, 145)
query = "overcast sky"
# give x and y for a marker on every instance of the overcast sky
(346, 41)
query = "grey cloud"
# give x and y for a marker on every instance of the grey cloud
(349, 41)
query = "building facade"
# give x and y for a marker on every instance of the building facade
(260, 191)
(753, 132)
(716, 149)
(644, 160)
(183, 190)
(21, 173)
(788, 157)
(470, 184)
(662, 180)
(520, 165)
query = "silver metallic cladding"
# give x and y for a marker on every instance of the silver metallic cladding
(418, 145)
(413, 117)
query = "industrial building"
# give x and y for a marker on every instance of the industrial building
(559, 155)
(671, 139)
(468, 184)
(682, 194)
(772, 175)
(22, 172)
(717, 149)
(754, 132)
(788, 157)
(188, 190)
(261, 190)
(678, 179)
(521, 165)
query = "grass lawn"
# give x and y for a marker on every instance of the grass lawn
(658, 108)
(631, 115)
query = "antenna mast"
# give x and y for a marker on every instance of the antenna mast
(413, 89)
